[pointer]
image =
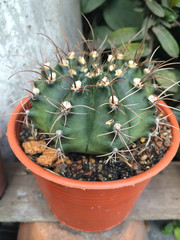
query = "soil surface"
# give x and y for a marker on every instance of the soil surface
(143, 154)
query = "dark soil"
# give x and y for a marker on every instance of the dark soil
(91, 168)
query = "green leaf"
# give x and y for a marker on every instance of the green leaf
(177, 72)
(166, 40)
(168, 229)
(155, 8)
(122, 14)
(123, 35)
(177, 233)
(170, 14)
(132, 48)
(100, 34)
(167, 78)
(88, 6)
(166, 24)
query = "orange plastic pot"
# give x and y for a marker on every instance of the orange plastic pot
(90, 206)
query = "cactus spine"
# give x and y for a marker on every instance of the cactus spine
(93, 107)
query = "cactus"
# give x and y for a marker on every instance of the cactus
(89, 106)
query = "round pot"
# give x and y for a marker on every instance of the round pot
(90, 206)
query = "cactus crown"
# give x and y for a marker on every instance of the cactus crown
(95, 103)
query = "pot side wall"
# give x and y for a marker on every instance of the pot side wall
(90, 210)
(106, 204)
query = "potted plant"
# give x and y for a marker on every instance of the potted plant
(97, 105)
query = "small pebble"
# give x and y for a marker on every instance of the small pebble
(167, 143)
(84, 160)
(79, 167)
(68, 161)
(89, 173)
(164, 149)
(99, 167)
(134, 153)
(143, 162)
(143, 158)
(142, 139)
(94, 169)
(155, 139)
(148, 162)
(159, 143)
(157, 151)
(100, 177)
(92, 160)
(135, 166)
(161, 136)
(59, 169)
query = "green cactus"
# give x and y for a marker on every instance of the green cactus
(87, 106)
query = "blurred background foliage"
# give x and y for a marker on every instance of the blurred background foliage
(172, 227)
(118, 21)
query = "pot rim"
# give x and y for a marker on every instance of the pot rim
(72, 183)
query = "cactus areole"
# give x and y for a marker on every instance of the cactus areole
(86, 100)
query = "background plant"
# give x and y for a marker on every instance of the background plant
(120, 20)
(109, 20)
(172, 227)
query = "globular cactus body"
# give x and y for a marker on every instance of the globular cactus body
(97, 107)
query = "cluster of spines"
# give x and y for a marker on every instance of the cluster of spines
(92, 68)
(127, 103)
(95, 74)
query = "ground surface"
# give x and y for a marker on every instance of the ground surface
(8, 231)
